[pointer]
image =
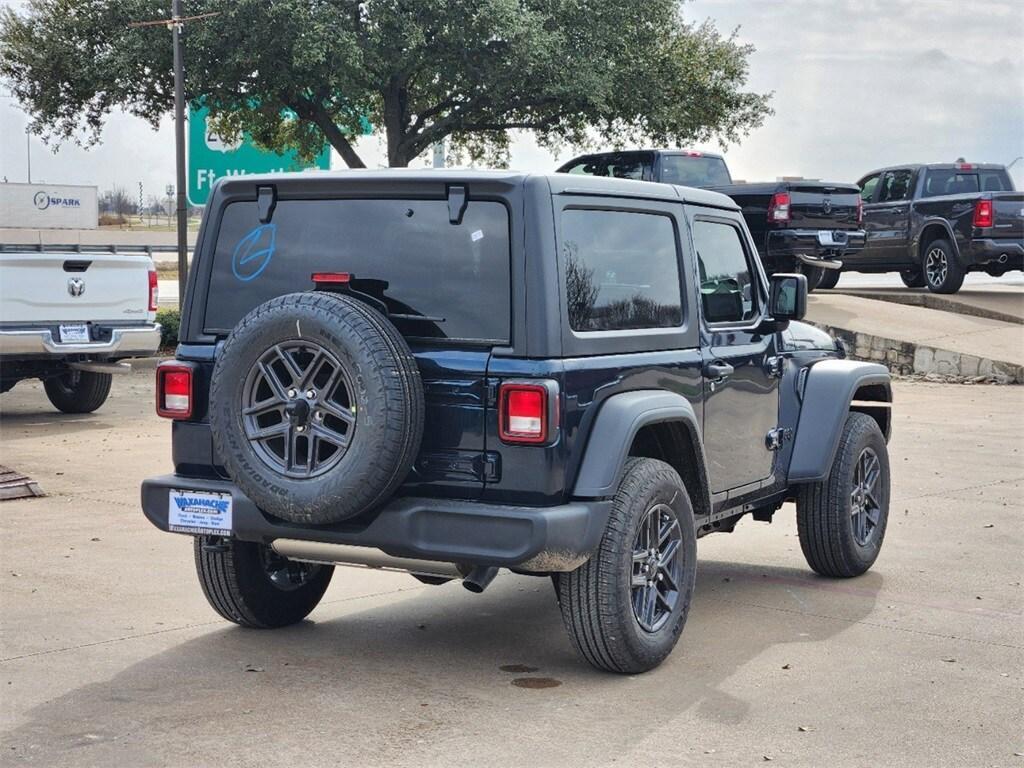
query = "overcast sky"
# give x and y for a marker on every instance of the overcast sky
(858, 84)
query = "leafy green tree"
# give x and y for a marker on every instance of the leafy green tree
(573, 72)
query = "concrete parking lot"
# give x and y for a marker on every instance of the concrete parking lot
(110, 655)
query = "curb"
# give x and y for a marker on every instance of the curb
(934, 301)
(906, 358)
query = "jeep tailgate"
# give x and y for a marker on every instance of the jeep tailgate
(45, 288)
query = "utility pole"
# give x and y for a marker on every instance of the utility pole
(28, 152)
(177, 26)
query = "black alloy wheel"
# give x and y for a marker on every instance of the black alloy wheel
(298, 410)
(657, 568)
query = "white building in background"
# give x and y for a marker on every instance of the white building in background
(48, 206)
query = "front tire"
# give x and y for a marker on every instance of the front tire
(625, 608)
(841, 520)
(943, 272)
(252, 586)
(78, 391)
(913, 278)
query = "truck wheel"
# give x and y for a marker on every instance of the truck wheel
(78, 391)
(841, 520)
(625, 608)
(913, 278)
(829, 279)
(942, 271)
(253, 586)
(316, 407)
(813, 275)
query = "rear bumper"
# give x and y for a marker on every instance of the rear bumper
(540, 539)
(817, 247)
(138, 341)
(1008, 253)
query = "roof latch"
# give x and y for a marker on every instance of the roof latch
(266, 199)
(458, 198)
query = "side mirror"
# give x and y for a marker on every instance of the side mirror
(788, 300)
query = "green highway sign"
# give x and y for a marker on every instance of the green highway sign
(210, 158)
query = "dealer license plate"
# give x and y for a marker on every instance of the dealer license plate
(199, 512)
(78, 332)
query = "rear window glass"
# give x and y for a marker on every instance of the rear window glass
(694, 171)
(403, 252)
(943, 181)
(621, 270)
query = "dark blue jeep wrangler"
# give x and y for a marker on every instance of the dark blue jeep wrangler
(448, 373)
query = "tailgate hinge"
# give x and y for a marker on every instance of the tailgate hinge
(775, 366)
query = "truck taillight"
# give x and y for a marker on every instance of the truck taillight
(154, 290)
(778, 208)
(174, 390)
(860, 211)
(525, 412)
(983, 213)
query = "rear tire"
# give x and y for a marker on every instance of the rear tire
(943, 272)
(813, 275)
(78, 391)
(252, 586)
(606, 603)
(829, 279)
(913, 278)
(841, 527)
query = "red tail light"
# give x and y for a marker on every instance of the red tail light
(524, 413)
(154, 290)
(860, 211)
(778, 208)
(174, 391)
(983, 216)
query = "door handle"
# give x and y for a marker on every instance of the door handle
(717, 370)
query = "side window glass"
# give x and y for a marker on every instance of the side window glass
(867, 188)
(621, 270)
(728, 293)
(895, 186)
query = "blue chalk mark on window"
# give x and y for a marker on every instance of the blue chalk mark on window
(253, 253)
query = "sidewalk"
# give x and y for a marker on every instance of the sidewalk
(997, 302)
(914, 339)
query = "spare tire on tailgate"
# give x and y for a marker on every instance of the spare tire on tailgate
(316, 407)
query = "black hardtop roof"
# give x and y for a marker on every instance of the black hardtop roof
(435, 182)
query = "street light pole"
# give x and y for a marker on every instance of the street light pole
(177, 27)
(28, 153)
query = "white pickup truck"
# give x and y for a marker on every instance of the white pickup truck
(68, 318)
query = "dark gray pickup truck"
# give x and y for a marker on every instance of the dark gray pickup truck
(798, 225)
(935, 223)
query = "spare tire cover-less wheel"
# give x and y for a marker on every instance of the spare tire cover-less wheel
(316, 407)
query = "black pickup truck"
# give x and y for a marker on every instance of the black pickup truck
(798, 225)
(935, 223)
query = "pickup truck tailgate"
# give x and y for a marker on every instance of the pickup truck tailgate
(74, 287)
(823, 206)
(1008, 214)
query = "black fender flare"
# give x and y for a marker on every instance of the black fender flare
(827, 394)
(934, 221)
(618, 421)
